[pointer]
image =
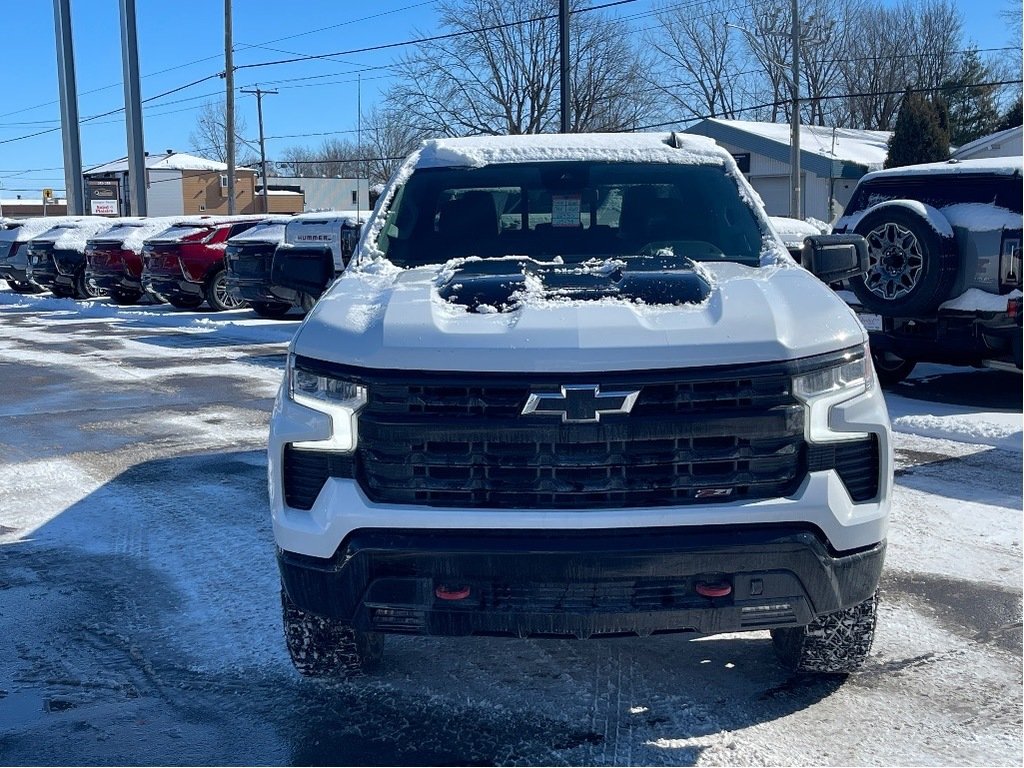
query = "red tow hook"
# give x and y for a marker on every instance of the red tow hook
(448, 592)
(716, 589)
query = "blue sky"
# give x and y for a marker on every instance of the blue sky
(181, 41)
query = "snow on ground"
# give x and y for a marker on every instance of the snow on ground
(138, 590)
(949, 421)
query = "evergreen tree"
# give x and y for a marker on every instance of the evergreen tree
(921, 134)
(972, 108)
(1012, 117)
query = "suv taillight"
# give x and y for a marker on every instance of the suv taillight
(1010, 262)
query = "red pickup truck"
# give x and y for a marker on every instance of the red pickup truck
(114, 258)
(185, 265)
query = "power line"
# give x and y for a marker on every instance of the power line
(782, 102)
(434, 38)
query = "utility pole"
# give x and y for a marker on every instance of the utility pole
(229, 111)
(794, 159)
(133, 110)
(69, 108)
(259, 93)
(563, 30)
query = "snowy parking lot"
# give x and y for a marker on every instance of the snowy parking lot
(139, 604)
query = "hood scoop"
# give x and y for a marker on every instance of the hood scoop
(487, 286)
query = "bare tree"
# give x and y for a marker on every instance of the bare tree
(387, 138)
(500, 74)
(209, 136)
(701, 59)
(912, 44)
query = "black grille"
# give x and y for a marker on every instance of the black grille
(305, 473)
(692, 437)
(856, 462)
(505, 400)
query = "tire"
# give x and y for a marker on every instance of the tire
(323, 647)
(270, 309)
(20, 287)
(185, 302)
(81, 288)
(125, 298)
(834, 644)
(911, 267)
(62, 291)
(216, 292)
(891, 369)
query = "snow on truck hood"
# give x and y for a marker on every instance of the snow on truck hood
(380, 316)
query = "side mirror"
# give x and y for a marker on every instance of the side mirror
(832, 258)
(308, 270)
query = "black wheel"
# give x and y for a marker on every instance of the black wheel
(271, 309)
(125, 298)
(891, 369)
(24, 287)
(835, 644)
(322, 647)
(82, 289)
(185, 302)
(911, 267)
(216, 292)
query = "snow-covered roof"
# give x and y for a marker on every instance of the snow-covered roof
(868, 148)
(1006, 143)
(477, 151)
(998, 165)
(173, 161)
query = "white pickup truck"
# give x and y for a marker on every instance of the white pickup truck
(575, 386)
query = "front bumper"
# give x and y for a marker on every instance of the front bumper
(581, 583)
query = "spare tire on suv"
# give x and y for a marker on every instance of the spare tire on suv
(911, 266)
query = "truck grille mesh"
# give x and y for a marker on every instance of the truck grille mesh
(695, 439)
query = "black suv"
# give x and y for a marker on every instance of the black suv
(944, 264)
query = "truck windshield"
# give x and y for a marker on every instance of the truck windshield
(575, 211)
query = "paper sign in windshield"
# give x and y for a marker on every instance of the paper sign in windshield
(565, 210)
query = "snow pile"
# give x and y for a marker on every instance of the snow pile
(1000, 430)
(976, 300)
(238, 325)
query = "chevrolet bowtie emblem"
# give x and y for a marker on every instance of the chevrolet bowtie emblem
(580, 403)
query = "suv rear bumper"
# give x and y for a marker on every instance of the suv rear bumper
(170, 285)
(581, 583)
(113, 280)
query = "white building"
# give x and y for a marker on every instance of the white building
(1006, 143)
(327, 193)
(831, 161)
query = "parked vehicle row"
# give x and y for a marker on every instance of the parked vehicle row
(184, 260)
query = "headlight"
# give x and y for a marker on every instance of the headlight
(820, 390)
(340, 399)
